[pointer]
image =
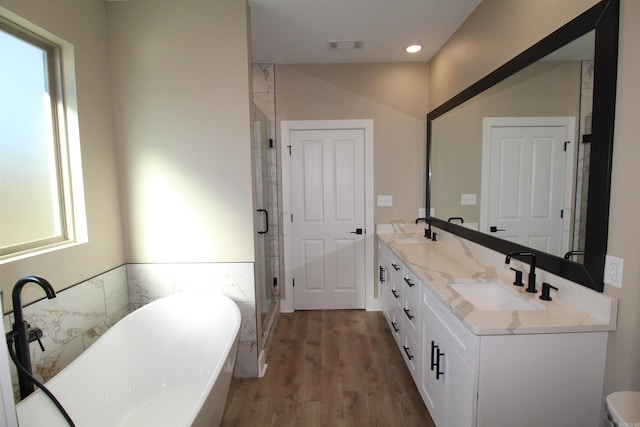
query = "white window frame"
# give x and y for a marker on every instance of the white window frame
(66, 134)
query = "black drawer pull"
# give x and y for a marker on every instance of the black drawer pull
(395, 294)
(395, 266)
(406, 350)
(395, 328)
(409, 282)
(433, 351)
(381, 277)
(438, 371)
(408, 313)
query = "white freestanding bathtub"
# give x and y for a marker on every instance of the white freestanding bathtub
(169, 363)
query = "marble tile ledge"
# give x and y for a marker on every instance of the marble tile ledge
(452, 259)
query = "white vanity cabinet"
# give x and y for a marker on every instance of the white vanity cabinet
(491, 380)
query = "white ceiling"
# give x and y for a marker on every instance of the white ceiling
(298, 31)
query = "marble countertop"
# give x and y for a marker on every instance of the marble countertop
(438, 264)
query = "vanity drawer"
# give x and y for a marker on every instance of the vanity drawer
(395, 295)
(410, 315)
(463, 341)
(411, 285)
(395, 324)
(410, 353)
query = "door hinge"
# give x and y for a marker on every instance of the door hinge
(293, 281)
(561, 213)
(275, 282)
(270, 142)
(291, 217)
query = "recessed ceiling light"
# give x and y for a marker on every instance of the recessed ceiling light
(414, 48)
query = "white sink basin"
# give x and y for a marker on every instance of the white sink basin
(492, 296)
(410, 240)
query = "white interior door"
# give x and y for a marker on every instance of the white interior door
(526, 196)
(328, 209)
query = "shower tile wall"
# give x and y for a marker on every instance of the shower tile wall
(584, 152)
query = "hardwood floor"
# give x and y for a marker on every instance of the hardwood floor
(329, 368)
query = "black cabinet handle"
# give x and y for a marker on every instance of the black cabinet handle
(495, 229)
(406, 350)
(266, 221)
(409, 282)
(439, 373)
(408, 313)
(381, 274)
(395, 328)
(395, 294)
(395, 266)
(433, 353)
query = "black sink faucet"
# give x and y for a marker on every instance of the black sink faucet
(531, 286)
(21, 334)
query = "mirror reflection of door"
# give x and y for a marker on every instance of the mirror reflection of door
(527, 181)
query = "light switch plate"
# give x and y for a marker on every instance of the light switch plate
(467, 199)
(385, 200)
(613, 271)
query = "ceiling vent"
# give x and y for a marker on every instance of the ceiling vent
(345, 45)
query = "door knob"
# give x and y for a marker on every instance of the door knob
(358, 231)
(494, 229)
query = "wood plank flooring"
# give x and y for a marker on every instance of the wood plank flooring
(329, 368)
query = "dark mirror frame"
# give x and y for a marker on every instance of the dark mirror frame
(604, 19)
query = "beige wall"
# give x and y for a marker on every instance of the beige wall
(83, 24)
(182, 120)
(478, 48)
(394, 95)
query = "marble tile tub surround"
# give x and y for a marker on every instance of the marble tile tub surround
(574, 308)
(79, 315)
(73, 321)
(148, 282)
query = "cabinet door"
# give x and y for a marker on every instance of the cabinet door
(432, 387)
(448, 384)
(460, 391)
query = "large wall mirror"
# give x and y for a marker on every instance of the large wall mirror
(521, 160)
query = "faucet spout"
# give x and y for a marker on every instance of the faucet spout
(20, 334)
(531, 286)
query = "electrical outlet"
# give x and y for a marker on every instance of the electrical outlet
(422, 213)
(613, 271)
(385, 200)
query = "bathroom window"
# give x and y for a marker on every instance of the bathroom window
(41, 206)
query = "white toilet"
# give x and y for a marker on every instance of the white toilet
(623, 409)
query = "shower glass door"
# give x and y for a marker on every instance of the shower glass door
(267, 262)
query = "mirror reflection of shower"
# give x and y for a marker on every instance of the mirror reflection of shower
(268, 260)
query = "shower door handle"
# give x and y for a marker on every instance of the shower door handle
(266, 221)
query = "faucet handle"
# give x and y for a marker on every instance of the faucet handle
(34, 334)
(546, 291)
(518, 280)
